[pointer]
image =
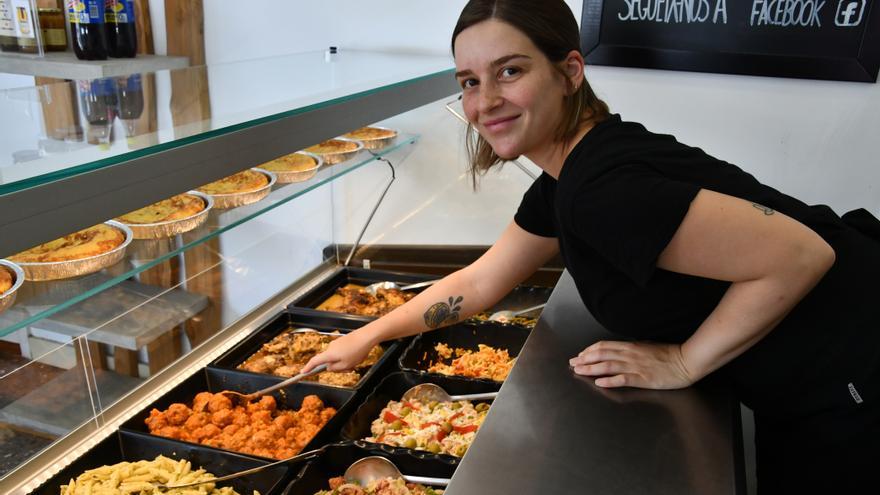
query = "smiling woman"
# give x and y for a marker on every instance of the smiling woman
(697, 266)
(524, 55)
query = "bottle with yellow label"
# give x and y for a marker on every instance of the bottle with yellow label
(86, 18)
(8, 39)
(25, 27)
(120, 27)
(52, 29)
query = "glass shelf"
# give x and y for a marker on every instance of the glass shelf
(58, 130)
(38, 300)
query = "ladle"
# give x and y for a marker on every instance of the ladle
(427, 392)
(375, 468)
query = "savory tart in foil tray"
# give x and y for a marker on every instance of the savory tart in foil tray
(11, 278)
(169, 217)
(373, 137)
(295, 167)
(245, 187)
(336, 150)
(79, 253)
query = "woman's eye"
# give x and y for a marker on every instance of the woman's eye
(509, 71)
(468, 83)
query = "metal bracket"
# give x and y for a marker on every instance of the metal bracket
(360, 236)
(463, 119)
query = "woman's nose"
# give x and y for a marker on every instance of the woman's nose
(490, 97)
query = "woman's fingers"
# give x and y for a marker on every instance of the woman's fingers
(604, 368)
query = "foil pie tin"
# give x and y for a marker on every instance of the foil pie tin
(288, 177)
(55, 270)
(8, 297)
(378, 143)
(161, 230)
(341, 156)
(222, 201)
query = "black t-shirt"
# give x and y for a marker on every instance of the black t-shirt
(622, 194)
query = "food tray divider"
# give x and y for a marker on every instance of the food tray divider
(392, 387)
(321, 322)
(420, 353)
(127, 446)
(216, 380)
(335, 458)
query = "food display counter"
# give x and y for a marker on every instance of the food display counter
(551, 431)
(99, 365)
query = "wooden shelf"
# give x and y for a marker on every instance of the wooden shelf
(65, 65)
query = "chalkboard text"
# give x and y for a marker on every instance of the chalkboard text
(786, 13)
(675, 11)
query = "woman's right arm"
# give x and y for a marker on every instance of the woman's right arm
(515, 256)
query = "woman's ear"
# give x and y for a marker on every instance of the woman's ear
(573, 66)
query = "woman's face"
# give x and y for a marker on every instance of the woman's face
(511, 92)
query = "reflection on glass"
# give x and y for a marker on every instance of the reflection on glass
(44, 394)
(98, 104)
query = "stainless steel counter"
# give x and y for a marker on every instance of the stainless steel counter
(552, 432)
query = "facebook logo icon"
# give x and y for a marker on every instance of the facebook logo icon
(849, 13)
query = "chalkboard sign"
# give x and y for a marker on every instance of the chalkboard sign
(815, 39)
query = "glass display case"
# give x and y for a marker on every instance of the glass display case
(77, 153)
(85, 358)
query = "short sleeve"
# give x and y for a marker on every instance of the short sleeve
(535, 213)
(628, 215)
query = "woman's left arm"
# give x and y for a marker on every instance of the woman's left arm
(772, 262)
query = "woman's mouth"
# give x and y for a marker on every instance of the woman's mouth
(500, 124)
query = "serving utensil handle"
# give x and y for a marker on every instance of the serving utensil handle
(424, 480)
(527, 310)
(299, 457)
(289, 381)
(483, 396)
(420, 284)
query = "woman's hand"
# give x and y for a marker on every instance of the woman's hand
(343, 353)
(634, 364)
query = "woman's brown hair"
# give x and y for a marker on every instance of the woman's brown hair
(551, 26)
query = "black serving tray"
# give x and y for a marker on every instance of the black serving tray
(307, 303)
(127, 446)
(420, 353)
(335, 458)
(321, 322)
(391, 388)
(216, 380)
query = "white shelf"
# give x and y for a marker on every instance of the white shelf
(65, 65)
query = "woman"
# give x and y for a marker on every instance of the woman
(700, 266)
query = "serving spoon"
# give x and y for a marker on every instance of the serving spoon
(427, 392)
(299, 457)
(376, 468)
(373, 288)
(259, 393)
(506, 316)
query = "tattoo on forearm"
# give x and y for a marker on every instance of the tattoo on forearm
(443, 313)
(766, 210)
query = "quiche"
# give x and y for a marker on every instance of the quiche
(175, 208)
(294, 162)
(333, 146)
(242, 182)
(370, 133)
(6, 280)
(86, 243)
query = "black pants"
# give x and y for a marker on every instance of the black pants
(833, 452)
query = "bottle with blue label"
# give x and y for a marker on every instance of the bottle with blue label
(120, 27)
(86, 18)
